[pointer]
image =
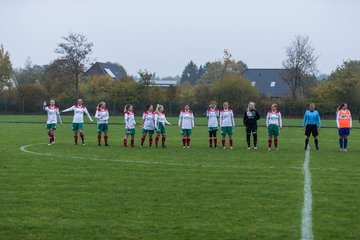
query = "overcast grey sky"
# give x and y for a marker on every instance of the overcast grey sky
(163, 35)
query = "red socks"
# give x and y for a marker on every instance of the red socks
(231, 142)
(269, 143)
(215, 141)
(156, 140)
(188, 141)
(106, 137)
(82, 137)
(125, 142)
(210, 141)
(150, 141)
(184, 141)
(76, 139)
(276, 142)
(132, 142)
(223, 142)
(142, 140)
(163, 140)
(99, 138)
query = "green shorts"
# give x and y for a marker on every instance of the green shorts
(161, 128)
(102, 127)
(185, 131)
(51, 126)
(227, 130)
(144, 131)
(77, 126)
(210, 129)
(273, 130)
(130, 131)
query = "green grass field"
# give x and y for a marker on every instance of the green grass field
(90, 192)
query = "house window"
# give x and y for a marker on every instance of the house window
(272, 84)
(109, 72)
(253, 84)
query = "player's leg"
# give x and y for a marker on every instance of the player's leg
(215, 138)
(188, 140)
(276, 136)
(163, 139)
(144, 132)
(126, 136)
(132, 137)
(210, 138)
(150, 138)
(248, 134)
(106, 136)
(76, 137)
(315, 134)
(183, 134)
(307, 136)
(157, 138)
(346, 134)
(82, 136)
(254, 133)
(99, 138)
(231, 141)
(223, 136)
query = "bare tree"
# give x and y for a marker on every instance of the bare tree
(75, 50)
(300, 63)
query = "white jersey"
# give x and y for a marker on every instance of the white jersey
(160, 118)
(273, 117)
(212, 114)
(186, 119)
(129, 120)
(148, 121)
(227, 118)
(102, 115)
(78, 113)
(52, 114)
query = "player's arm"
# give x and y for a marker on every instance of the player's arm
(305, 119)
(126, 119)
(180, 120)
(68, 109)
(97, 114)
(87, 114)
(337, 119)
(257, 115)
(319, 120)
(156, 119)
(58, 116)
(232, 119)
(106, 117)
(192, 120)
(245, 118)
(350, 120)
(267, 119)
(280, 120)
(166, 121)
(45, 108)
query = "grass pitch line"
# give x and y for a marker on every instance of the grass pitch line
(306, 215)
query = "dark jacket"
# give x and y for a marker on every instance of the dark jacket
(250, 117)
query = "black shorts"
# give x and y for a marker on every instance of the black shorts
(311, 129)
(251, 128)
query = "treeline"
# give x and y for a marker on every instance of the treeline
(63, 79)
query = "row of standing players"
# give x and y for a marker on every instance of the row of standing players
(155, 121)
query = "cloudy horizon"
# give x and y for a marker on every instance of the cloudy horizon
(163, 36)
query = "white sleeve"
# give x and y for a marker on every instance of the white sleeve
(87, 114)
(267, 119)
(220, 118)
(58, 116)
(280, 120)
(180, 118)
(69, 109)
(232, 119)
(207, 113)
(126, 120)
(97, 114)
(106, 116)
(46, 108)
(192, 120)
(350, 120)
(156, 118)
(337, 119)
(166, 121)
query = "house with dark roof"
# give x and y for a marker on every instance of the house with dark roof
(110, 69)
(269, 82)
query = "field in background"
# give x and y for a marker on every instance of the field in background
(90, 192)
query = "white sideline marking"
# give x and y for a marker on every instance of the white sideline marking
(306, 215)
